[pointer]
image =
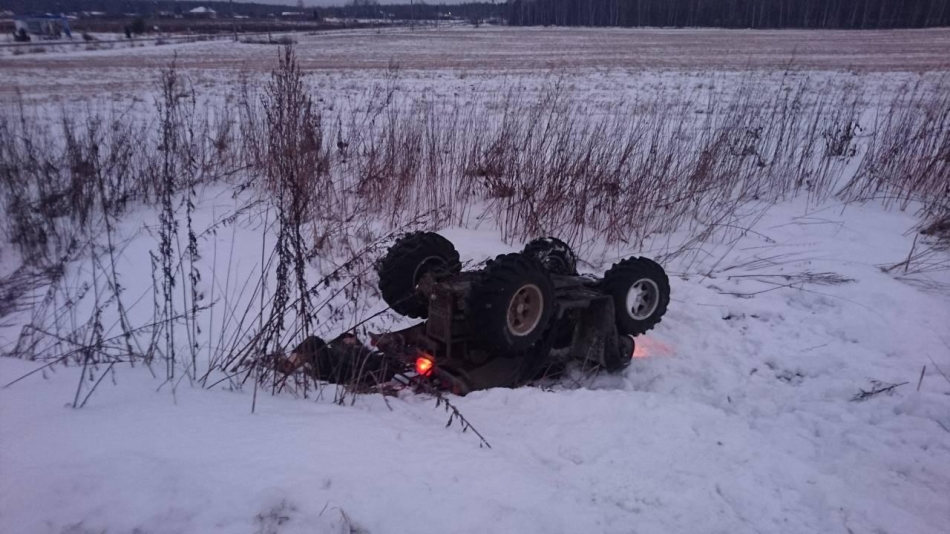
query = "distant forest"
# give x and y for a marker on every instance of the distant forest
(840, 14)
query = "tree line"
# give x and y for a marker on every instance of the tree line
(840, 14)
(843, 14)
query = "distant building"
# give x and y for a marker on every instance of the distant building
(43, 26)
(201, 13)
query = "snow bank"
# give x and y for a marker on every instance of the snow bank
(736, 417)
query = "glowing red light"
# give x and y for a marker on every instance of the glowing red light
(424, 366)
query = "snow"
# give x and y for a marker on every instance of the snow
(735, 416)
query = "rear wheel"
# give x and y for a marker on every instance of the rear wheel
(555, 255)
(641, 293)
(406, 262)
(510, 304)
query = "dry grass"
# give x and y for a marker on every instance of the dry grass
(532, 164)
(908, 152)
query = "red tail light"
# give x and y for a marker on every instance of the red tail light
(424, 365)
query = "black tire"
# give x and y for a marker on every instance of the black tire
(643, 314)
(555, 255)
(510, 280)
(404, 264)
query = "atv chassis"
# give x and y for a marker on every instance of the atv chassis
(463, 345)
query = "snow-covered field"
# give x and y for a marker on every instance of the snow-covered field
(738, 414)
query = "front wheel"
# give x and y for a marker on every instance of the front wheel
(641, 293)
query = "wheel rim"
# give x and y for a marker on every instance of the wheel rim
(524, 310)
(642, 299)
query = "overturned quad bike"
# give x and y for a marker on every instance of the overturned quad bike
(521, 317)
